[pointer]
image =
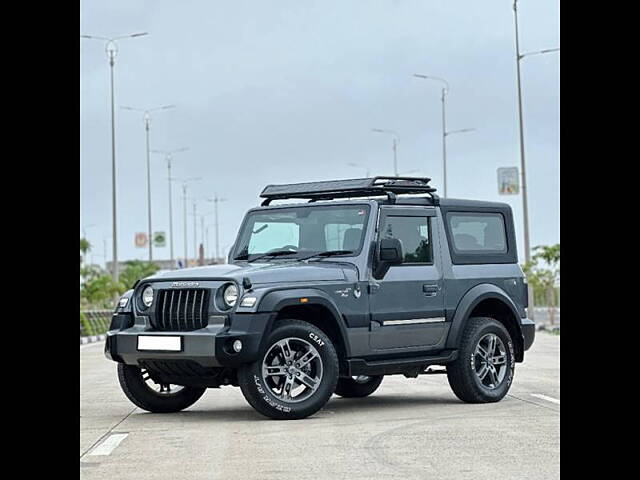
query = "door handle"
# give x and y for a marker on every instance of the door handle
(430, 290)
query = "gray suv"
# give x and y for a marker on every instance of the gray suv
(360, 279)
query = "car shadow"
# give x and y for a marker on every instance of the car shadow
(336, 406)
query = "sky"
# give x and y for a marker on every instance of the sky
(288, 91)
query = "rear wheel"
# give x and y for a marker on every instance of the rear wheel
(484, 369)
(357, 387)
(294, 376)
(139, 387)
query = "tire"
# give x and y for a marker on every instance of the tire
(266, 389)
(358, 387)
(137, 390)
(464, 374)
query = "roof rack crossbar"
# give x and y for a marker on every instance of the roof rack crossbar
(353, 188)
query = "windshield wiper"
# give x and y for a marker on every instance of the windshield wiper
(276, 253)
(328, 253)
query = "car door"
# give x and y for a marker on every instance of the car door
(407, 305)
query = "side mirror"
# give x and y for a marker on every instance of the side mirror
(389, 253)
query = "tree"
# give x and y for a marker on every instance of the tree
(543, 273)
(99, 289)
(136, 270)
(98, 292)
(85, 246)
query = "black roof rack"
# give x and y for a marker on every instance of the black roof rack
(358, 187)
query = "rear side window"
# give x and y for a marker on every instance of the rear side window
(478, 232)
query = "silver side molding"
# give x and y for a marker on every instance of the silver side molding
(412, 321)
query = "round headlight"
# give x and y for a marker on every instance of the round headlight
(230, 295)
(147, 296)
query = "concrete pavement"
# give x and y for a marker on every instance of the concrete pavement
(409, 428)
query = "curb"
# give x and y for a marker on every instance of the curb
(92, 339)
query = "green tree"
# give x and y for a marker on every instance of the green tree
(85, 247)
(543, 273)
(99, 289)
(99, 292)
(136, 270)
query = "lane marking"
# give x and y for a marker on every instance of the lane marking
(109, 444)
(544, 397)
(87, 345)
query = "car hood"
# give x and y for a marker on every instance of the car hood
(286, 272)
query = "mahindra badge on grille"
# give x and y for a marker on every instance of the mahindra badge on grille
(185, 284)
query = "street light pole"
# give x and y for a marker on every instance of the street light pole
(169, 158)
(444, 140)
(525, 204)
(112, 51)
(396, 140)
(195, 235)
(523, 173)
(445, 133)
(215, 199)
(185, 181)
(147, 125)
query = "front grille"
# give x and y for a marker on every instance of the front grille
(181, 309)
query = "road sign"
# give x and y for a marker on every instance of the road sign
(508, 181)
(159, 239)
(141, 240)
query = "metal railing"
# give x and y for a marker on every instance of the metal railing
(94, 322)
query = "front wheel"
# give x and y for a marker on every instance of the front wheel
(294, 376)
(146, 393)
(484, 369)
(358, 387)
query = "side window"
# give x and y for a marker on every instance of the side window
(478, 232)
(413, 232)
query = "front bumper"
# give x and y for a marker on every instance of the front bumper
(209, 347)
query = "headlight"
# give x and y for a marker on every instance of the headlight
(147, 296)
(230, 295)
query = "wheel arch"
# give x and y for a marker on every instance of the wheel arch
(487, 300)
(318, 309)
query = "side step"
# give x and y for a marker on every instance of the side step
(410, 366)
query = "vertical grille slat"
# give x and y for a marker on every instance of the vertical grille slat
(181, 309)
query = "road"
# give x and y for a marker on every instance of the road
(409, 428)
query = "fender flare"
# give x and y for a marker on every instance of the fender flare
(276, 300)
(469, 301)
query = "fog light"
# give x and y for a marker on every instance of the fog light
(237, 346)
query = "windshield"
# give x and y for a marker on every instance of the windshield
(302, 231)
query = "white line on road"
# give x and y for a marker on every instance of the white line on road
(87, 345)
(544, 397)
(109, 444)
